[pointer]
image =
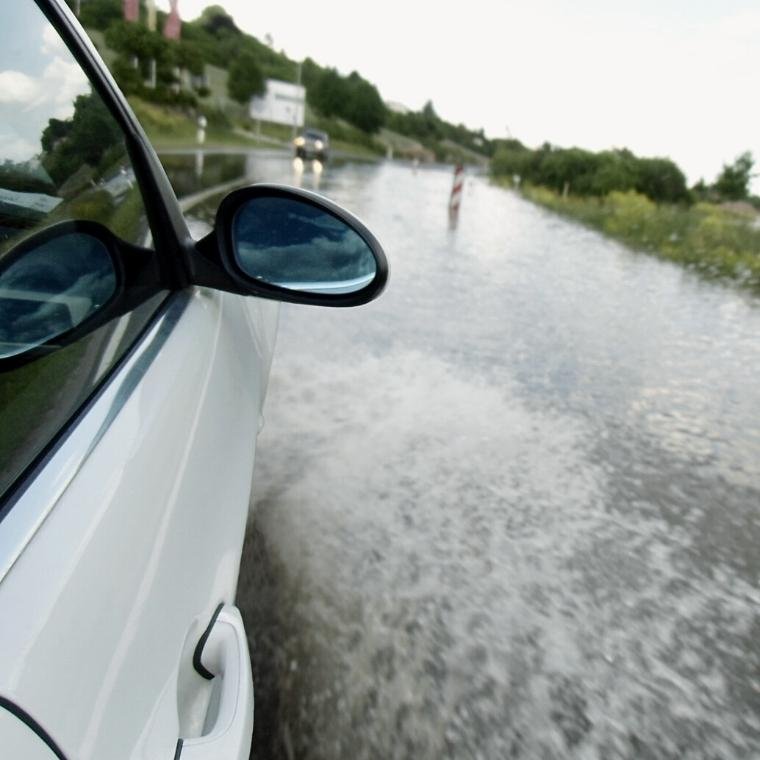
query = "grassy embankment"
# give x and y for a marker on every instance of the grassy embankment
(174, 128)
(706, 237)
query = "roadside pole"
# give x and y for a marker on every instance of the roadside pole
(295, 110)
(201, 138)
(201, 134)
(455, 201)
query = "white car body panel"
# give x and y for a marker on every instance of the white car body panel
(115, 558)
(19, 741)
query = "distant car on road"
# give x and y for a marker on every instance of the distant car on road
(313, 143)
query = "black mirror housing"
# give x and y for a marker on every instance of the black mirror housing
(64, 282)
(288, 244)
(270, 241)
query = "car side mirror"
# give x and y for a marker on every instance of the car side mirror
(65, 281)
(288, 244)
(270, 241)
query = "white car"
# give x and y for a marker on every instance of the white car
(133, 367)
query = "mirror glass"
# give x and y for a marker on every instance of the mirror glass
(298, 246)
(47, 290)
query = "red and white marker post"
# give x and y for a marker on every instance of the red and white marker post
(455, 201)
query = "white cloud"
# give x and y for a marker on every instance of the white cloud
(17, 148)
(17, 87)
(61, 82)
(52, 44)
(28, 102)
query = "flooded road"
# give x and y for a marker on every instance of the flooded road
(511, 509)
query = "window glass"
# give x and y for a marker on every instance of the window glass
(62, 156)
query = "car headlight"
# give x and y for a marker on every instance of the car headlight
(318, 144)
(299, 141)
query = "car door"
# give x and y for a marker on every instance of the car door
(127, 456)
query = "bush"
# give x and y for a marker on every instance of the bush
(130, 79)
(733, 182)
(585, 173)
(99, 14)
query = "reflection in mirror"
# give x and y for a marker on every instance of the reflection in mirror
(296, 245)
(50, 289)
(62, 154)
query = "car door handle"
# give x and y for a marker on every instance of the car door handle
(225, 655)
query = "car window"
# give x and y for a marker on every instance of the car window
(62, 156)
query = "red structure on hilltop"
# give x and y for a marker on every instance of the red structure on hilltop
(173, 25)
(131, 10)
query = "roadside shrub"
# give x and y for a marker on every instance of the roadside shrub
(585, 173)
(629, 213)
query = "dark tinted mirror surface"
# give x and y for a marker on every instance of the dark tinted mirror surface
(298, 246)
(50, 289)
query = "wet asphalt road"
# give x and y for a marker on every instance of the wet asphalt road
(511, 509)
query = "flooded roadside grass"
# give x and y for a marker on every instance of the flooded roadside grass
(716, 241)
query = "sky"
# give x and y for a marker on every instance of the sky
(39, 79)
(674, 78)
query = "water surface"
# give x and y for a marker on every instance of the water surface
(511, 508)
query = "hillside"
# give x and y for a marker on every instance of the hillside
(215, 68)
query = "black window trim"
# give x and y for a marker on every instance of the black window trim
(171, 238)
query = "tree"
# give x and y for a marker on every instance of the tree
(328, 93)
(85, 138)
(245, 78)
(700, 190)
(187, 56)
(430, 122)
(137, 40)
(129, 78)
(134, 41)
(733, 182)
(511, 159)
(99, 14)
(661, 180)
(363, 106)
(216, 20)
(55, 130)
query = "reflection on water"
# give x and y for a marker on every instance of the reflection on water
(191, 171)
(511, 508)
(307, 173)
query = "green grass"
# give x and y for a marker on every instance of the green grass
(354, 150)
(705, 237)
(169, 127)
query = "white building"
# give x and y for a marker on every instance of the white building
(282, 103)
